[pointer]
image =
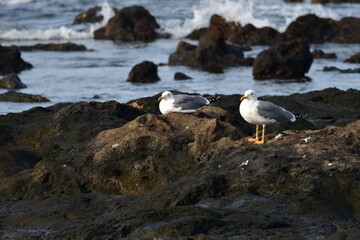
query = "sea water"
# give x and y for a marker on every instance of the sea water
(102, 71)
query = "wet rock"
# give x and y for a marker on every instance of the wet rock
(63, 47)
(16, 160)
(90, 16)
(335, 1)
(133, 23)
(11, 81)
(190, 176)
(354, 59)
(310, 28)
(321, 54)
(237, 34)
(12, 96)
(317, 30)
(181, 76)
(349, 70)
(286, 60)
(145, 72)
(212, 54)
(250, 35)
(11, 61)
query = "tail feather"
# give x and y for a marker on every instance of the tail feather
(299, 115)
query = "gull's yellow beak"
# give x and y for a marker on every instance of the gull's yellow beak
(243, 97)
(160, 98)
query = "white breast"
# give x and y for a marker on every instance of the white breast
(248, 110)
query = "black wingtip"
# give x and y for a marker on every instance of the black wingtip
(213, 99)
(298, 115)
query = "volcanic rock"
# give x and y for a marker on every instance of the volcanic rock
(11, 61)
(321, 54)
(212, 54)
(354, 59)
(12, 96)
(11, 81)
(284, 61)
(181, 76)
(349, 70)
(64, 47)
(144, 72)
(90, 16)
(129, 24)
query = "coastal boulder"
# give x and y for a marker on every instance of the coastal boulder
(11, 61)
(286, 60)
(354, 59)
(11, 81)
(347, 30)
(12, 96)
(63, 47)
(133, 23)
(318, 53)
(310, 28)
(144, 72)
(90, 16)
(212, 54)
(181, 76)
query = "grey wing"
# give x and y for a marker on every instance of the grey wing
(187, 102)
(272, 111)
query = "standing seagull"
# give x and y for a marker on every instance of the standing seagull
(180, 103)
(262, 113)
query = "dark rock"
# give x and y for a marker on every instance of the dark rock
(335, 1)
(212, 54)
(250, 35)
(108, 172)
(354, 59)
(11, 81)
(130, 24)
(16, 160)
(181, 76)
(64, 47)
(321, 54)
(11, 61)
(145, 72)
(310, 28)
(237, 34)
(90, 16)
(346, 30)
(286, 60)
(332, 69)
(12, 96)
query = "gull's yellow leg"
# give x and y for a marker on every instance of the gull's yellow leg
(263, 136)
(256, 135)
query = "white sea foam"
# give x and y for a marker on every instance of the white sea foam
(231, 10)
(260, 13)
(61, 33)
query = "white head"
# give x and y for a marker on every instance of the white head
(166, 95)
(249, 94)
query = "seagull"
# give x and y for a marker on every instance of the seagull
(180, 103)
(259, 112)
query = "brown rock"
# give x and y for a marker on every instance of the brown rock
(64, 47)
(321, 54)
(286, 60)
(250, 35)
(181, 76)
(212, 54)
(354, 59)
(11, 61)
(12, 96)
(145, 72)
(129, 24)
(90, 16)
(11, 81)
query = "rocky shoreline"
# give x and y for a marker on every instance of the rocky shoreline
(91, 170)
